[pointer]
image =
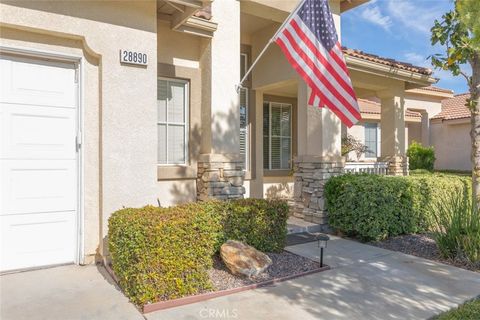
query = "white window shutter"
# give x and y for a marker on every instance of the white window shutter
(244, 126)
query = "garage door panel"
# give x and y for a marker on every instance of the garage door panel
(38, 186)
(37, 132)
(26, 244)
(26, 81)
(38, 163)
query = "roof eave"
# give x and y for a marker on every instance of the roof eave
(414, 79)
(346, 5)
(431, 93)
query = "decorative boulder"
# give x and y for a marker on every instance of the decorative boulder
(242, 259)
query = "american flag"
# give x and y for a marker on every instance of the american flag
(309, 41)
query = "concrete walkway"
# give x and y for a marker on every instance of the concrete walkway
(63, 293)
(365, 283)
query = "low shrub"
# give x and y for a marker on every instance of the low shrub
(374, 207)
(165, 253)
(257, 222)
(457, 228)
(420, 157)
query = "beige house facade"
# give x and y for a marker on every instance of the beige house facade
(111, 104)
(421, 106)
(450, 131)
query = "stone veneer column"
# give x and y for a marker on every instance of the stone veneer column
(392, 123)
(311, 174)
(220, 177)
(397, 165)
(319, 158)
(220, 174)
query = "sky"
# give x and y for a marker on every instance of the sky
(400, 29)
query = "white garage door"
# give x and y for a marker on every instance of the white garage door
(38, 158)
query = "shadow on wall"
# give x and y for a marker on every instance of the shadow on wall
(279, 191)
(225, 128)
(225, 137)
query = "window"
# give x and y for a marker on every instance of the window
(277, 136)
(371, 140)
(172, 123)
(244, 145)
(244, 126)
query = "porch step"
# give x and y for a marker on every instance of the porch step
(298, 225)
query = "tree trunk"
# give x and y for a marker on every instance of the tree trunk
(475, 131)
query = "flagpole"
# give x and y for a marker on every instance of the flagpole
(239, 86)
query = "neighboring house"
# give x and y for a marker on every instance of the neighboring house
(111, 104)
(422, 104)
(450, 133)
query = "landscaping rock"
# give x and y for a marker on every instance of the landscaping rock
(242, 259)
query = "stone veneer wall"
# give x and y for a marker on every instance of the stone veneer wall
(311, 174)
(397, 165)
(220, 177)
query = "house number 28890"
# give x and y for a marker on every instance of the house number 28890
(133, 57)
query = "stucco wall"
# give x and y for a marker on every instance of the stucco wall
(414, 132)
(178, 56)
(432, 105)
(452, 145)
(119, 101)
(278, 187)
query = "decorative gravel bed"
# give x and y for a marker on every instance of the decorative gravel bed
(283, 264)
(423, 246)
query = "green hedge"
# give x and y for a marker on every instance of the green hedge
(420, 157)
(374, 207)
(165, 253)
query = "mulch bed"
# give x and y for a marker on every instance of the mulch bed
(423, 246)
(283, 264)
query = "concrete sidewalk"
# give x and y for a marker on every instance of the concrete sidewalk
(63, 293)
(365, 283)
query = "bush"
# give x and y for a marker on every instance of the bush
(165, 253)
(374, 207)
(257, 222)
(457, 228)
(420, 157)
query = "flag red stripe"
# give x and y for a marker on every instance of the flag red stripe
(341, 81)
(312, 84)
(351, 108)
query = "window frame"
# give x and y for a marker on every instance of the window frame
(186, 111)
(245, 64)
(371, 125)
(290, 107)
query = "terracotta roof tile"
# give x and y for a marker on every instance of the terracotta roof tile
(454, 108)
(204, 13)
(437, 89)
(372, 107)
(386, 61)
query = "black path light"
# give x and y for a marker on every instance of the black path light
(322, 240)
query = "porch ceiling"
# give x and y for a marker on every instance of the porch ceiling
(287, 89)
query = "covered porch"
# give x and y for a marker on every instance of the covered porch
(294, 148)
